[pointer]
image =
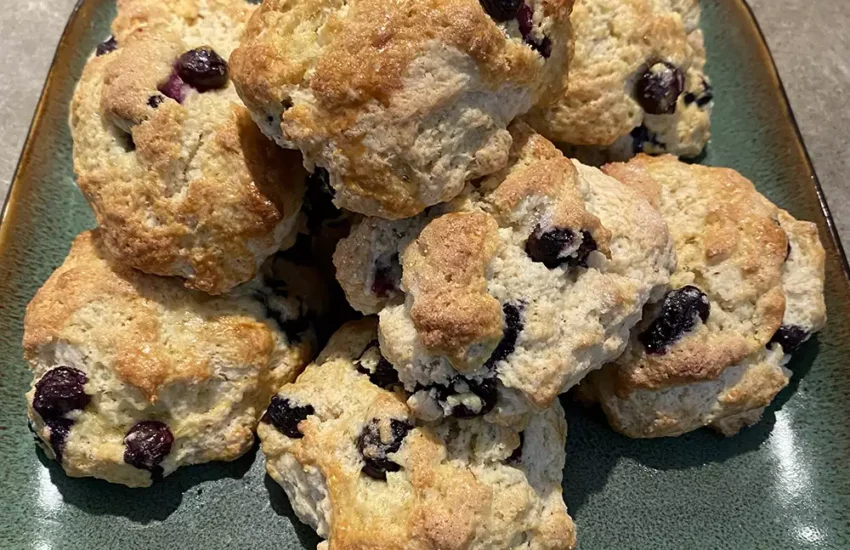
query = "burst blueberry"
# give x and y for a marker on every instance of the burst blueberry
(285, 415)
(60, 391)
(387, 276)
(375, 444)
(59, 430)
(507, 345)
(551, 246)
(659, 87)
(383, 375)
(147, 444)
(678, 314)
(501, 10)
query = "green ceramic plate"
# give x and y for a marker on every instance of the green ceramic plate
(781, 484)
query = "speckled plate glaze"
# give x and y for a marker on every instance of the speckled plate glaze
(784, 483)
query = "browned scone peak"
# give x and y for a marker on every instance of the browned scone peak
(181, 180)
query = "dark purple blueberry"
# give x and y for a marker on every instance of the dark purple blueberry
(551, 247)
(374, 444)
(173, 88)
(60, 391)
(501, 10)
(108, 45)
(387, 275)
(525, 18)
(383, 375)
(202, 69)
(146, 445)
(659, 87)
(678, 314)
(513, 326)
(485, 390)
(284, 415)
(59, 429)
(155, 101)
(790, 337)
(516, 456)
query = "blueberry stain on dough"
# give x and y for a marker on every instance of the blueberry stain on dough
(376, 441)
(507, 345)
(659, 87)
(790, 337)
(285, 415)
(60, 391)
(551, 247)
(678, 314)
(107, 46)
(146, 445)
(173, 87)
(202, 69)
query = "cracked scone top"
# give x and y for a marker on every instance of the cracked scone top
(402, 101)
(747, 292)
(179, 177)
(501, 300)
(636, 82)
(135, 375)
(360, 471)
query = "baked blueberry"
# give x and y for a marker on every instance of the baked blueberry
(147, 444)
(507, 345)
(156, 100)
(173, 88)
(60, 391)
(641, 136)
(387, 274)
(501, 10)
(108, 45)
(285, 416)
(378, 439)
(678, 315)
(702, 97)
(790, 337)
(525, 18)
(59, 429)
(485, 390)
(659, 87)
(556, 246)
(202, 69)
(381, 373)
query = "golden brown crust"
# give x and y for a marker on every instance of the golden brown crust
(730, 245)
(193, 189)
(444, 272)
(149, 330)
(327, 96)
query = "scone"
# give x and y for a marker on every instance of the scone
(360, 471)
(747, 292)
(499, 301)
(181, 180)
(402, 102)
(136, 375)
(636, 82)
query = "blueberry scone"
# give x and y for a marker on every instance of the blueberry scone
(181, 180)
(509, 295)
(402, 102)
(636, 81)
(136, 375)
(361, 471)
(747, 292)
